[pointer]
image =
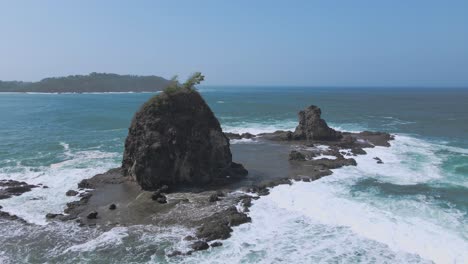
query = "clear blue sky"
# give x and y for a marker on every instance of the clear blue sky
(317, 43)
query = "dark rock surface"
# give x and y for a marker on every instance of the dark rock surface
(71, 193)
(296, 155)
(112, 207)
(175, 139)
(216, 244)
(14, 188)
(199, 245)
(313, 127)
(218, 226)
(239, 136)
(379, 161)
(92, 215)
(213, 198)
(11, 217)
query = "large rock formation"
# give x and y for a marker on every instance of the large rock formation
(313, 127)
(176, 139)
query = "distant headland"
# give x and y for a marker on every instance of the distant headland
(94, 82)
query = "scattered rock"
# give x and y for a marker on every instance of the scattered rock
(52, 216)
(112, 207)
(358, 151)
(92, 215)
(216, 244)
(218, 225)
(85, 184)
(12, 217)
(45, 187)
(199, 245)
(379, 161)
(14, 188)
(71, 193)
(213, 198)
(175, 139)
(162, 200)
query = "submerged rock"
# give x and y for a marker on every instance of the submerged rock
(175, 139)
(112, 207)
(313, 127)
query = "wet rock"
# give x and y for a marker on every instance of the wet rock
(1, 207)
(162, 200)
(213, 230)
(52, 216)
(14, 188)
(358, 151)
(216, 244)
(92, 215)
(213, 198)
(85, 184)
(296, 155)
(112, 207)
(247, 202)
(313, 127)
(71, 193)
(156, 195)
(175, 139)
(239, 136)
(379, 161)
(278, 135)
(220, 193)
(199, 245)
(45, 187)
(8, 216)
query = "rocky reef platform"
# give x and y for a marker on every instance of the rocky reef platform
(178, 169)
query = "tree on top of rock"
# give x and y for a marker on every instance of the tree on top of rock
(189, 85)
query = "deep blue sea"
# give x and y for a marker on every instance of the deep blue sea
(411, 209)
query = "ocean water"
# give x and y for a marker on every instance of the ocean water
(411, 209)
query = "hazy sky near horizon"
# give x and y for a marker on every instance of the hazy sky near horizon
(316, 43)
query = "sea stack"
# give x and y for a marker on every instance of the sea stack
(175, 139)
(313, 127)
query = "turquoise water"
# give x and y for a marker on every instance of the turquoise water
(411, 209)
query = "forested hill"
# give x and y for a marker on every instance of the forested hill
(94, 82)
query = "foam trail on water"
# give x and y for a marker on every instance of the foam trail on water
(329, 221)
(58, 177)
(260, 127)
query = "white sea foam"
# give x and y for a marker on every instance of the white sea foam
(324, 157)
(323, 221)
(243, 141)
(112, 238)
(59, 177)
(258, 128)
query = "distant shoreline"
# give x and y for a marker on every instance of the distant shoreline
(92, 83)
